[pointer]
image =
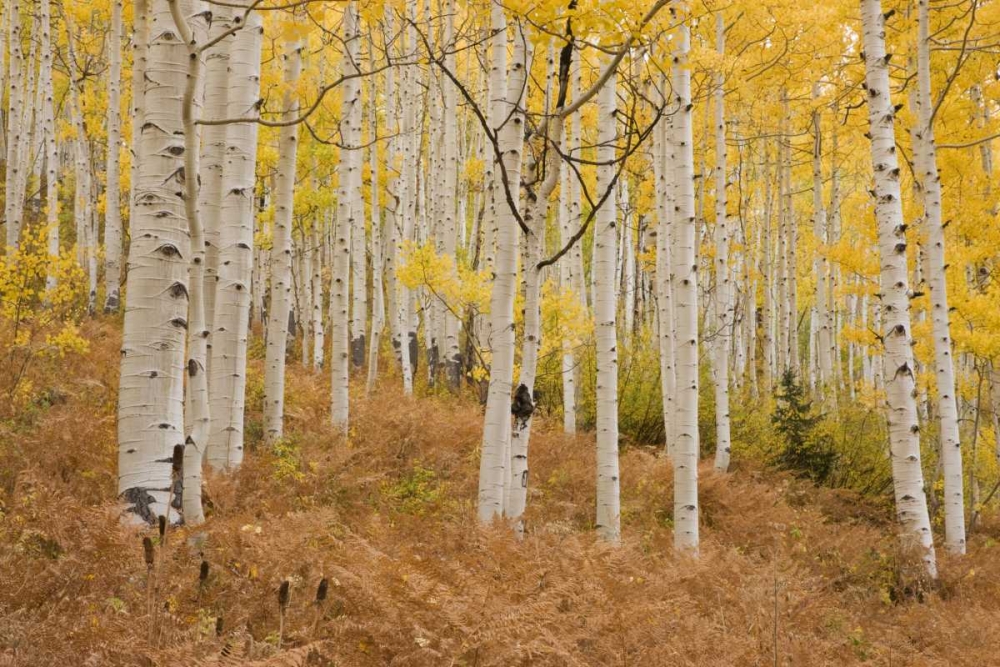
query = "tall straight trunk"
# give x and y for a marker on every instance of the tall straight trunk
(450, 344)
(569, 281)
(151, 391)
(112, 207)
(770, 360)
(608, 522)
(231, 317)
(535, 219)
(140, 57)
(281, 255)
(723, 297)
(820, 265)
(925, 159)
(348, 198)
(685, 282)
(16, 96)
(83, 211)
(378, 301)
(904, 431)
(359, 256)
(493, 465)
(213, 152)
(49, 139)
(193, 31)
(663, 171)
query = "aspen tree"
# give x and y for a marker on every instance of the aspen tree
(112, 207)
(140, 53)
(493, 468)
(685, 284)
(16, 96)
(378, 301)
(151, 391)
(820, 267)
(281, 253)
(231, 319)
(663, 172)
(608, 522)
(359, 258)
(925, 160)
(49, 139)
(348, 210)
(451, 350)
(723, 309)
(904, 431)
(213, 150)
(192, 32)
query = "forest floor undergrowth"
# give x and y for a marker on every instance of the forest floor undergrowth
(789, 574)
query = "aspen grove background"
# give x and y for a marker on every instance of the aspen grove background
(499, 332)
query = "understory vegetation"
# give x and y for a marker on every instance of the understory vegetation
(790, 571)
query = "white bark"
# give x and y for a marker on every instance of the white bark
(192, 31)
(213, 152)
(348, 212)
(823, 343)
(112, 215)
(49, 138)
(723, 298)
(151, 392)
(140, 57)
(378, 301)
(925, 160)
(685, 283)
(281, 255)
(608, 522)
(231, 317)
(493, 467)
(16, 96)
(904, 433)
(663, 172)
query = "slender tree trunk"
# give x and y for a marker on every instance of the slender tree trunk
(112, 207)
(348, 208)
(16, 96)
(925, 159)
(493, 468)
(904, 433)
(820, 265)
(281, 256)
(378, 301)
(49, 137)
(685, 280)
(663, 170)
(193, 31)
(723, 308)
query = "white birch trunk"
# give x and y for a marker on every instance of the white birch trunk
(904, 432)
(493, 467)
(49, 138)
(231, 317)
(723, 308)
(685, 281)
(281, 255)
(112, 215)
(16, 96)
(348, 197)
(151, 392)
(608, 521)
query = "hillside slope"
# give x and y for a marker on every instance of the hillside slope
(788, 575)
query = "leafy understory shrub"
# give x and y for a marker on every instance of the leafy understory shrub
(417, 492)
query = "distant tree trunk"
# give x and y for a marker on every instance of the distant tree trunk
(378, 264)
(904, 432)
(151, 392)
(112, 207)
(820, 266)
(685, 282)
(451, 351)
(16, 96)
(49, 138)
(663, 172)
(281, 256)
